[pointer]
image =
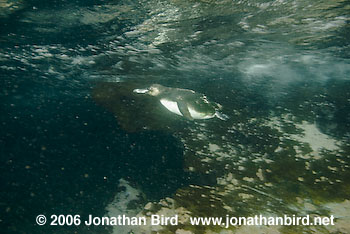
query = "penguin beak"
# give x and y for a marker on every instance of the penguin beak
(141, 90)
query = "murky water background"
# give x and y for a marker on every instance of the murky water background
(71, 144)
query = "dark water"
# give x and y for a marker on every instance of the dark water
(63, 153)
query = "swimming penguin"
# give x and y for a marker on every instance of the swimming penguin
(184, 102)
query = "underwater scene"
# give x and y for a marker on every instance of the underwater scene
(174, 109)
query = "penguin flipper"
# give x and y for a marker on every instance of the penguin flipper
(184, 110)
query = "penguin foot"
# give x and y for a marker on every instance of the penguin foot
(221, 116)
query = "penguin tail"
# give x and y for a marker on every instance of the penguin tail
(221, 116)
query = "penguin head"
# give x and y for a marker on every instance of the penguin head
(153, 90)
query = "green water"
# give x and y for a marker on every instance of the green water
(71, 126)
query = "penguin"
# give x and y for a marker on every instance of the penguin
(184, 102)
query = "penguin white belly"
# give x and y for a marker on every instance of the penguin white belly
(198, 115)
(174, 108)
(171, 106)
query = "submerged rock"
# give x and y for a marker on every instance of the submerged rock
(134, 112)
